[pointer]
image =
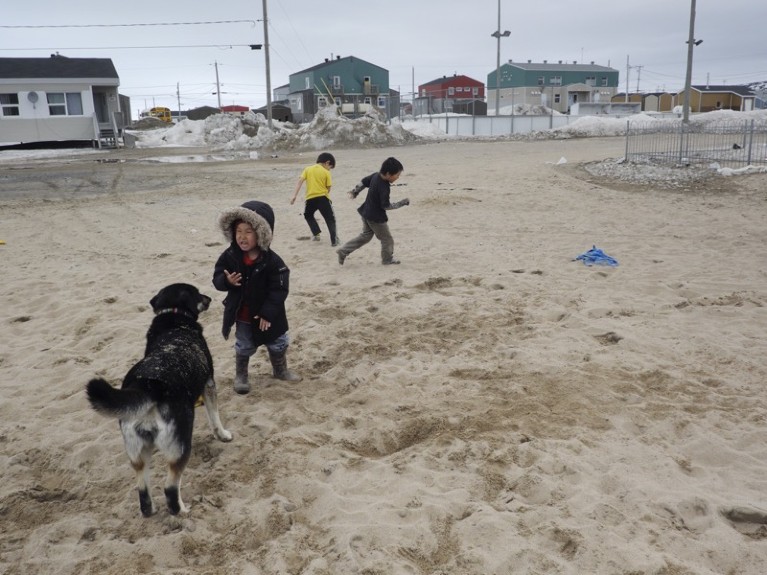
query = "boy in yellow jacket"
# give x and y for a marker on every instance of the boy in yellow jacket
(318, 183)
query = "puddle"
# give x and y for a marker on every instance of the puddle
(196, 158)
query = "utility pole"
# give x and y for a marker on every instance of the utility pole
(691, 43)
(627, 78)
(178, 99)
(497, 34)
(268, 74)
(639, 73)
(218, 86)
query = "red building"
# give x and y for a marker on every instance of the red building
(453, 87)
(450, 93)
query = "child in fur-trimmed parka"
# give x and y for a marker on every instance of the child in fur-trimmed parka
(256, 280)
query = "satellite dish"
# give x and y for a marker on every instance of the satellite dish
(32, 97)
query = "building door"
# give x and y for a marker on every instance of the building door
(101, 107)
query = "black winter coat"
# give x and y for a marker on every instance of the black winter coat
(264, 291)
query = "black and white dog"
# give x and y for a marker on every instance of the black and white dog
(156, 403)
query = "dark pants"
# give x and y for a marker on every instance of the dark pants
(325, 207)
(370, 229)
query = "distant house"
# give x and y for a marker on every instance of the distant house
(280, 112)
(352, 84)
(632, 97)
(707, 98)
(456, 93)
(658, 102)
(60, 99)
(650, 101)
(280, 94)
(557, 86)
(202, 112)
(235, 110)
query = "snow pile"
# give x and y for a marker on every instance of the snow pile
(590, 126)
(225, 132)
(420, 128)
(328, 128)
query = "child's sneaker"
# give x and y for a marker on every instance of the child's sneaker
(341, 257)
(391, 262)
(316, 238)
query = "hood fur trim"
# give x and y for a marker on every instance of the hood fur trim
(260, 225)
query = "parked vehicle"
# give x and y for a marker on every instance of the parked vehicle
(159, 112)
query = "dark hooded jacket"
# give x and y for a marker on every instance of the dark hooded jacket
(265, 284)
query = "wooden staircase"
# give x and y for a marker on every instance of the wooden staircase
(108, 138)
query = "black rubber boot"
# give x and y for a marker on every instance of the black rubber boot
(241, 384)
(280, 366)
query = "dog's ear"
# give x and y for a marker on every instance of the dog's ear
(160, 300)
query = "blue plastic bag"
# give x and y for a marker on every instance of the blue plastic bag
(595, 256)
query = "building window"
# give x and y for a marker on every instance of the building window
(591, 81)
(321, 102)
(65, 104)
(540, 80)
(381, 102)
(9, 104)
(450, 91)
(367, 101)
(555, 80)
(604, 80)
(475, 91)
(557, 98)
(307, 83)
(336, 81)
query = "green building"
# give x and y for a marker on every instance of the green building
(557, 86)
(354, 85)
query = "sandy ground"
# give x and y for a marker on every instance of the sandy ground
(490, 406)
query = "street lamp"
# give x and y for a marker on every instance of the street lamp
(498, 35)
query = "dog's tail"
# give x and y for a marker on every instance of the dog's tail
(113, 402)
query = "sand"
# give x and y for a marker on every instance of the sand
(489, 406)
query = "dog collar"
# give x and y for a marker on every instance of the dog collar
(175, 310)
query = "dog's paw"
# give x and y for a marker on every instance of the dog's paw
(145, 502)
(224, 435)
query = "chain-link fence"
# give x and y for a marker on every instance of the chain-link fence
(729, 144)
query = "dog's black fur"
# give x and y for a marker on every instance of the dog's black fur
(156, 403)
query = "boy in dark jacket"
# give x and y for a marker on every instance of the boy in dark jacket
(373, 211)
(256, 280)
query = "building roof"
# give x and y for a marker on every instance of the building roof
(338, 59)
(560, 66)
(740, 90)
(57, 66)
(445, 79)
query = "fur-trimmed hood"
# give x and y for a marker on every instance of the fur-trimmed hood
(258, 214)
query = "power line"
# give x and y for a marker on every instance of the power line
(228, 46)
(251, 22)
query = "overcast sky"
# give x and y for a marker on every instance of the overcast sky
(415, 40)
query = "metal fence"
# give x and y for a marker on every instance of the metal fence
(729, 144)
(490, 126)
